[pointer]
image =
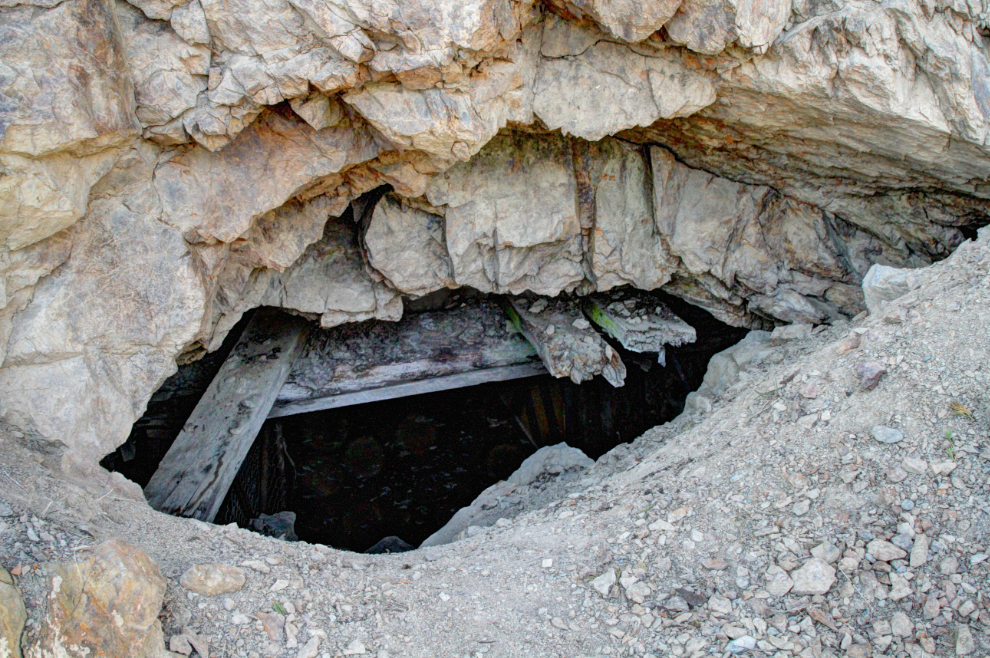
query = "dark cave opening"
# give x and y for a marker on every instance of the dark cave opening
(402, 467)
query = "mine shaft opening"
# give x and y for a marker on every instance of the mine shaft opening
(361, 471)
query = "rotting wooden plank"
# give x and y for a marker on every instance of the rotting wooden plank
(638, 320)
(431, 351)
(194, 476)
(564, 339)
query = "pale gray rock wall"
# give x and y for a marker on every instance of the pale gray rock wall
(166, 165)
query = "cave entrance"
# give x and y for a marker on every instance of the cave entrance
(355, 464)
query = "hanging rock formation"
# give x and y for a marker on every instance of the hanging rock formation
(167, 165)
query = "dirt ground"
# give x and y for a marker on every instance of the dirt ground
(775, 524)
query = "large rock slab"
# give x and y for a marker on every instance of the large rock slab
(485, 510)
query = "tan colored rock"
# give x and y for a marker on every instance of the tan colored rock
(815, 577)
(168, 73)
(626, 246)
(329, 280)
(12, 617)
(105, 606)
(216, 196)
(213, 579)
(407, 246)
(101, 337)
(708, 26)
(511, 218)
(65, 93)
(630, 20)
(629, 89)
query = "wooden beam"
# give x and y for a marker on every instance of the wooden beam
(431, 351)
(194, 476)
(390, 392)
(638, 320)
(564, 339)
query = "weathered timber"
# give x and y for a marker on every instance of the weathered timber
(638, 320)
(194, 476)
(565, 341)
(432, 351)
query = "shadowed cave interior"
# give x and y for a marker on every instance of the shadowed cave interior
(402, 467)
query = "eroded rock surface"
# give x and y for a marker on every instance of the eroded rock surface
(166, 165)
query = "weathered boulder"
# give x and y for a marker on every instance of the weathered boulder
(104, 606)
(12, 617)
(408, 247)
(485, 510)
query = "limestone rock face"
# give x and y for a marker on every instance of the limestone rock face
(102, 335)
(166, 165)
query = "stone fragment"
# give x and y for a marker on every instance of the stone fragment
(815, 577)
(715, 564)
(636, 590)
(822, 617)
(870, 373)
(199, 644)
(603, 583)
(900, 587)
(919, 551)
(355, 648)
(885, 434)
(914, 465)
(786, 333)
(407, 246)
(943, 468)
(180, 644)
(901, 625)
(311, 649)
(885, 551)
(849, 343)
(965, 643)
(12, 617)
(720, 604)
(741, 645)
(931, 607)
(213, 579)
(827, 551)
(778, 583)
(104, 605)
(274, 625)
